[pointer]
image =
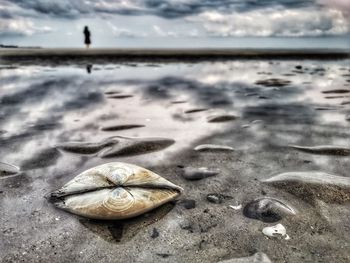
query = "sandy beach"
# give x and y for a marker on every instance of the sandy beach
(272, 125)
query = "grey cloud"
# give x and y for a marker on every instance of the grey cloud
(163, 8)
(18, 26)
(273, 22)
(218, 17)
(174, 9)
(5, 14)
(62, 8)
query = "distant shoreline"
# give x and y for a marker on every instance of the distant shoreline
(67, 54)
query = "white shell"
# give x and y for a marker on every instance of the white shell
(276, 231)
(115, 191)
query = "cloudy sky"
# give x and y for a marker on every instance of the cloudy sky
(176, 23)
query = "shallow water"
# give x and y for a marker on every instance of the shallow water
(277, 103)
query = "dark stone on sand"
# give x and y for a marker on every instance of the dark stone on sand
(213, 148)
(263, 97)
(195, 110)
(336, 91)
(289, 75)
(193, 173)
(188, 203)
(298, 67)
(112, 92)
(7, 169)
(213, 198)
(274, 82)
(313, 185)
(187, 226)
(155, 233)
(119, 96)
(323, 149)
(178, 101)
(163, 255)
(121, 127)
(267, 209)
(218, 198)
(258, 257)
(126, 146)
(221, 118)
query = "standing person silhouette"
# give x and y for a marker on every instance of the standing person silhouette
(87, 35)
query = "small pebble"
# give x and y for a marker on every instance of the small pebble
(195, 110)
(213, 148)
(119, 96)
(7, 169)
(163, 255)
(217, 198)
(236, 207)
(221, 118)
(192, 173)
(155, 233)
(188, 203)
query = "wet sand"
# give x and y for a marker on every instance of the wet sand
(177, 55)
(275, 103)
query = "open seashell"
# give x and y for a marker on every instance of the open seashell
(114, 191)
(7, 170)
(267, 209)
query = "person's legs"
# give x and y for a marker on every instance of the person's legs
(87, 45)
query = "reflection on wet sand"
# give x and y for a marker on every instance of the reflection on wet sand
(219, 129)
(88, 68)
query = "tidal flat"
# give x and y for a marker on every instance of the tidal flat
(57, 120)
